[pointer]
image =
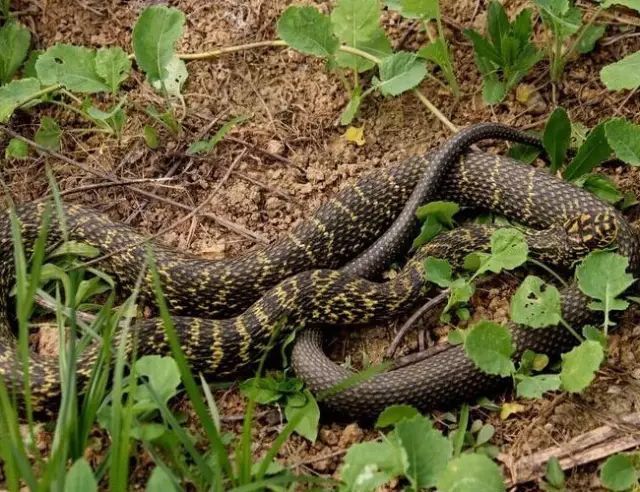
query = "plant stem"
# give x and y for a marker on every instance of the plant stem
(231, 49)
(42, 92)
(571, 330)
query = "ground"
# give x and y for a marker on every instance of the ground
(290, 156)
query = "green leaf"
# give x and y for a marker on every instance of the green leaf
(536, 386)
(16, 149)
(602, 186)
(624, 138)
(416, 9)
(461, 292)
(377, 44)
(557, 137)
(151, 137)
(435, 216)
(428, 451)
(48, 134)
(29, 69)
(559, 16)
(590, 37)
(399, 72)
(593, 151)
(438, 53)
(590, 332)
(490, 347)
(485, 434)
(160, 481)
(162, 374)
(437, 271)
(206, 146)
(351, 109)
(536, 304)
(355, 20)
(623, 74)
(306, 404)
(524, 153)
(263, 390)
(493, 90)
(618, 473)
(154, 37)
(73, 67)
(602, 276)
(308, 31)
(15, 94)
(554, 473)
(632, 4)
(15, 40)
(471, 473)
(80, 478)
(580, 365)
(497, 24)
(394, 414)
(113, 65)
(370, 465)
(509, 250)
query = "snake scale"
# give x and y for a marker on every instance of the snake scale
(295, 279)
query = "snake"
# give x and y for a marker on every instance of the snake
(228, 312)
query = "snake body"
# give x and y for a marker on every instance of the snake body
(341, 229)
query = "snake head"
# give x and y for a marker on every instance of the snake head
(592, 231)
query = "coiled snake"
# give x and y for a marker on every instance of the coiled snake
(341, 229)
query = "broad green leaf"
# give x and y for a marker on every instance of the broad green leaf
(15, 40)
(206, 146)
(394, 414)
(590, 37)
(29, 70)
(624, 138)
(355, 20)
(435, 216)
(490, 347)
(603, 276)
(16, 149)
(113, 65)
(306, 404)
(602, 186)
(162, 374)
(560, 16)
(428, 451)
(536, 386)
(399, 72)
(154, 38)
(590, 332)
(48, 134)
(632, 4)
(73, 67)
(536, 304)
(160, 481)
(437, 271)
(471, 473)
(493, 90)
(80, 478)
(554, 473)
(15, 94)
(370, 465)
(593, 151)
(461, 292)
(579, 366)
(524, 153)
(618, 473)
(557, 137)
(151, 137)
(377, 44)
(508, 250)
(308, 31)
(623, 74)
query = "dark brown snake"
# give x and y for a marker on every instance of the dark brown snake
(570, 218)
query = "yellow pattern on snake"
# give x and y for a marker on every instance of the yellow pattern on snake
(250, 287)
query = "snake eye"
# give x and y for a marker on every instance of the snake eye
(592, 231)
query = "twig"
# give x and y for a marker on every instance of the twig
(585, 448)
(238, 229)
(97, 186)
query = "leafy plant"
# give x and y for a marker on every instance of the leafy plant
(619, 472)
(506, 55)
(564, 22)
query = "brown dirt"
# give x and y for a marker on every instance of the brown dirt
(297, 157)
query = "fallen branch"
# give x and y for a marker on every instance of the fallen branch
(585, 448)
